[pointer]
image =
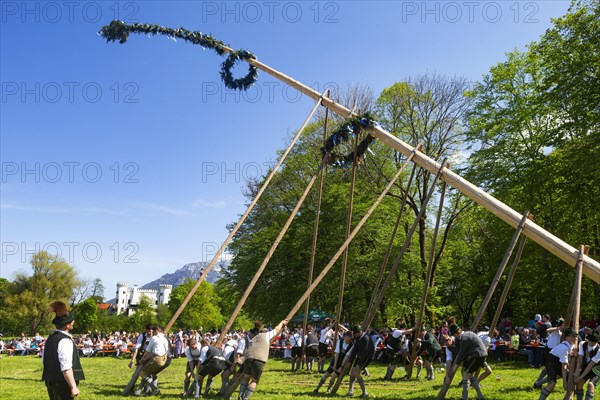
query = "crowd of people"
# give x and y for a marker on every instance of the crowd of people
(338, 350)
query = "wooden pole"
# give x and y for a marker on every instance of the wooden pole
(338, 318)
(313, 253)
(584, 249)
(413, 352)
(212, 263)
(270, 253)
(494, 283)
(507, 285)
(388, 252)
(400, 255)
(533, 231)
(353, 234)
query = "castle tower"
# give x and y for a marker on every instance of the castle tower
(164, 293)
(122, 297)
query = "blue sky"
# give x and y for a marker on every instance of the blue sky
(130, 159)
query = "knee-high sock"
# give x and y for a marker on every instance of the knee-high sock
(151, 386)
(589, 395)
(243, 388)
(321, 382)
(465, 387)
(248, 393)
(361, 383)
(298, 362)
(544, 394)
(543, 373)
(351, 386)
(418, 371)
(198, 387)
(431, 372)
(579, 394)
(186, 385)
(331, 381)
(144, 382)
(208, 386)
(475, 384)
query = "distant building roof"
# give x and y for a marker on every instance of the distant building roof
(104, 306)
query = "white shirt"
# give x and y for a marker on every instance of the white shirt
(229, 348)
(590, 349)
(562, 351)
(296, 340)
(326, 335)
(140, 341)
(553, 339)
(596, 358)
(158, 345)
(241, 346)
(448, 355)
(192, 354)
(341, 343)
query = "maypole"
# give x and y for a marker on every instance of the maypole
(119, 31)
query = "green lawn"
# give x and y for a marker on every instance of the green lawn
(106, 377)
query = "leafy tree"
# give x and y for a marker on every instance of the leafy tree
(87, 315)
(202, 311)
(28, 296)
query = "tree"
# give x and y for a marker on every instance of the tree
(86, 314)
(202, 311)
(28, 297)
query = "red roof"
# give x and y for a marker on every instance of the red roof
(104, 306)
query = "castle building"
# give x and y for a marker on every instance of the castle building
(128, 298)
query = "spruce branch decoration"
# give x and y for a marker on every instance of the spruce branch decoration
(348, 129)
(120, 31)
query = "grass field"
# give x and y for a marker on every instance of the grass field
(106, 377)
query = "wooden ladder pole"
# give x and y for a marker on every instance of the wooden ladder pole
(494, 283)
(313, 252)
(212, 263)
(354, 232)
(396, 265)
(340, 304)
(507, 285)
(388, 252)
(270, 253)
(413, 353)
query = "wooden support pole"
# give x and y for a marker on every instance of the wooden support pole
(212, 263)
(313, 252)
(353, 234)
(509, 279)
(413, 352)
(340, 305)
(388, 252)
(270, 253)
(494, 283)
(584, 250)
(413, 228)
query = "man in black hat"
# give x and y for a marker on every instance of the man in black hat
(62, 368)
(587, 368)
(362, 354)
(473, 351)
(558, 362)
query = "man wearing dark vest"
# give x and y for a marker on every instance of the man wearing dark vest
(393, 347)
(312, 346)
(212, 364)
(256, 356)
(62, 368)
(588, 357)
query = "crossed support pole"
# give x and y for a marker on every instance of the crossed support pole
(484, 304)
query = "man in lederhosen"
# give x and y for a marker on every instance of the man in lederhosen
(558, 362)
(473, 352)
(256, 356)
(62, 368)
(192, 355)
(212, 364)
(296, 343)
(153, 361)
(362, 355)
(312, 346)
(140, 348)
(341, 349)
(430, 350)
(588, 357)
(393, 348)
